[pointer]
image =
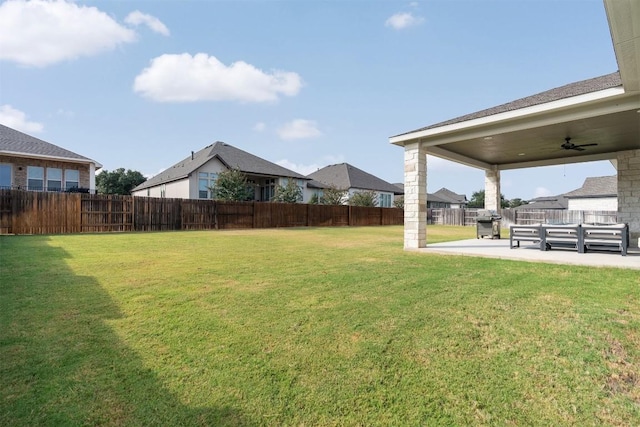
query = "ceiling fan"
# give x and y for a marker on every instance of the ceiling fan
(568, 145)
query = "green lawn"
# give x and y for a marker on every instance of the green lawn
(326, 326)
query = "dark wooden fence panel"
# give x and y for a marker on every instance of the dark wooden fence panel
(26, 212)
(328, 216)
(235, 214)
(198, 215)
(105, 213)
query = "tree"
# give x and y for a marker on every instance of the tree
(118, 181)
(333, 196)
(364, 198)
(514, 203)
(289, 193)
(232, 185)
(399, 202)
(314, 200)
(477, 200)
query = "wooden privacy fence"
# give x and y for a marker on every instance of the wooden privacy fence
(28, 212)
(523, 216)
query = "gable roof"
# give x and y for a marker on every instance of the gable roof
(567, 91)
(546, 202)
(449, 196)
(16, 143)
(230, 156)
(597, 186)
(345, 176)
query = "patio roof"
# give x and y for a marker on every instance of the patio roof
(529, 132)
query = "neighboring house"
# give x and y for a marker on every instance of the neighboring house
(29, 163)
(596, 194)
(344, 176)
(193, 177)
(444, 198)
(546, 202)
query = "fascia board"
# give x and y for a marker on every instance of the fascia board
(561, 109)
(44, 156)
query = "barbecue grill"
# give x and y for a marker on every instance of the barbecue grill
(488, 224)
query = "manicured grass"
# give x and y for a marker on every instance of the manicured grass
(327, 326)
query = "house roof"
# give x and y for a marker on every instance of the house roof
(562, 92)
(16, 143)
(230, 156)
(597, 186)
(345, 176)
(546, 202)
(449, 196)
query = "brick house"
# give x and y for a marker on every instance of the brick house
(29, 163)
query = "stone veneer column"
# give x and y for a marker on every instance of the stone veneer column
(492, 189)
(629, 193)
(415, 196)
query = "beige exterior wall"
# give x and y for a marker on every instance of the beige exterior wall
(593, 204)
(19, 170)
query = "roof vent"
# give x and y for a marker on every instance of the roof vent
(192, 155)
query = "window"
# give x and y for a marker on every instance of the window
(54, 179)
(268, 189)
(71, 179)
(35, 178)
(163, 190)
(5, 176)
(206, 180)
(384, 200)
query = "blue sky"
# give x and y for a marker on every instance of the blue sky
(303, 84)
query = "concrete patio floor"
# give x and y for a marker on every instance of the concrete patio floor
(499, 248)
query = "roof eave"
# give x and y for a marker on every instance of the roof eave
(45, 157)
(437, 133)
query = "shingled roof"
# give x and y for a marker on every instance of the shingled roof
(345, 176)
(546, 202)
(567, 91)
(596, 186)
(13, 142)
(449, 196)
(230, 156)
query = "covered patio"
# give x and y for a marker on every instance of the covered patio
(595, 119)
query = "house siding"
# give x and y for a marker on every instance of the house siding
(19, 170)
(594, 204)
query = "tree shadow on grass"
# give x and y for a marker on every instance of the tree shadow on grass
(62, 364)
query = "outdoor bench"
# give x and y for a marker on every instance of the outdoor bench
(607, 237)
(565, 236)
(525, 233)
(581, 237)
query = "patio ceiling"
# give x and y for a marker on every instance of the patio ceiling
(530, 133)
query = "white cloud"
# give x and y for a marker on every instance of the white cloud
(186, 78)
(16, 119)
(403, 20)
(259, 127)
(542, 192)
(137, 18)
(40, 33)
(299, 129)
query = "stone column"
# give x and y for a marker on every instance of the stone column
(492, 189)
(415, 196)
(629, 193)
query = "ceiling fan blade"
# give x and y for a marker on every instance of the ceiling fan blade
(577, 148)
(586, 145)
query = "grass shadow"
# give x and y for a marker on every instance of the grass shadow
(62, 364)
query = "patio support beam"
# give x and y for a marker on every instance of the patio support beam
(492, 189)
(415, 196)
(629, 193)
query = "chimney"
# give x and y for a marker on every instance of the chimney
(192, 155)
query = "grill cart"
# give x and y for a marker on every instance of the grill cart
(488, 224)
